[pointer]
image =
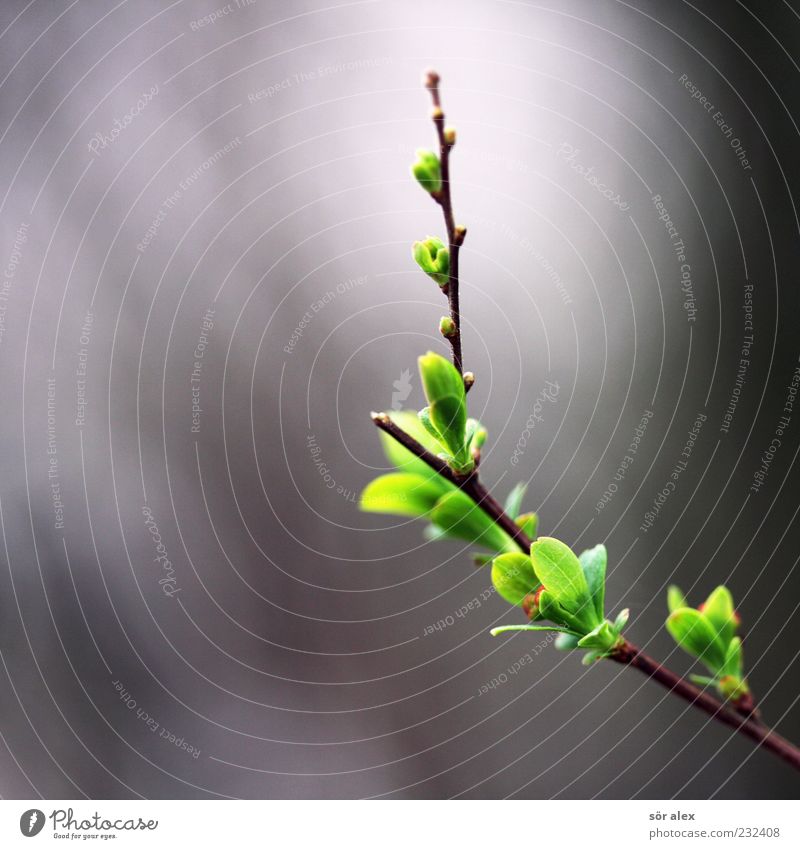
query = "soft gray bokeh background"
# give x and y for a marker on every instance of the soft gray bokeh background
(295, 651)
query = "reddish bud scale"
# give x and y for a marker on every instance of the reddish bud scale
(530, 604)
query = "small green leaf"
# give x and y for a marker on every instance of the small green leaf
(675, 599)
(513, 577)
(513, 501)
(433, 533)
(703, 680)
(503, 628)
(550, 609)
(733, 657)
(427, 170)
(447, 410)
(476, 435)
(567, 642)
(400, 493)
(593, 562)
(461, 518)
(560, 571)
(433, 257)
(695, 634)
(529, 522)
(719, 611)
(591, 656)
(622, 620)
(603, 637)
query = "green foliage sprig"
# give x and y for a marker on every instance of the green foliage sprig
(437, 452)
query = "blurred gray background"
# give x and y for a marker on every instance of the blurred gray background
(207, 286)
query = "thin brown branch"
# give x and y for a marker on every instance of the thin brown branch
(743, 718)
(468, 483)
(627, 654)
(749, 725)
(455, 233)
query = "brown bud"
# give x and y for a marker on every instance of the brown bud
(530, 604)
(430, 79)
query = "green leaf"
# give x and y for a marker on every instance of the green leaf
(461, 518)
(513, 577)
(503, 628)
(427, 170)
(433, 257)
(675, 599)
(694, 633)
(567, 642)
(529, 522)
(476, 435)
(401, 458)
(603, 637)
(400, 493)
(447, 410)
(719, 611)
(513, 501)
(560, 571)
(703, 680)
(550, 609)
(593, 563)
(622, 620)
(733, 657)
(433, 533)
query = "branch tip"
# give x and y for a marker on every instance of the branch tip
(430, 78)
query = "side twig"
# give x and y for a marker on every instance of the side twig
(468, 483)
(627, 654)
(455, 233)
(749, 725)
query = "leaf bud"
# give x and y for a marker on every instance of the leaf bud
(433, 257)
(447, 327)
(427, 170)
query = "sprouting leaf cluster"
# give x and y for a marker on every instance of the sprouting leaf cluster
(553, 584)
(708, 633)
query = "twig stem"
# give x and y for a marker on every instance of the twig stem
(468, 483)
(455, 235)
(748, 725)
(627, 653)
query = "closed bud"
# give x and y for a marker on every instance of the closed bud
(530, 604)
(469, 379)
(428, 171)
(458, 233)
(433, 257)
(436, 113)
(450, 135)
(430, 79)
(447, 327)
